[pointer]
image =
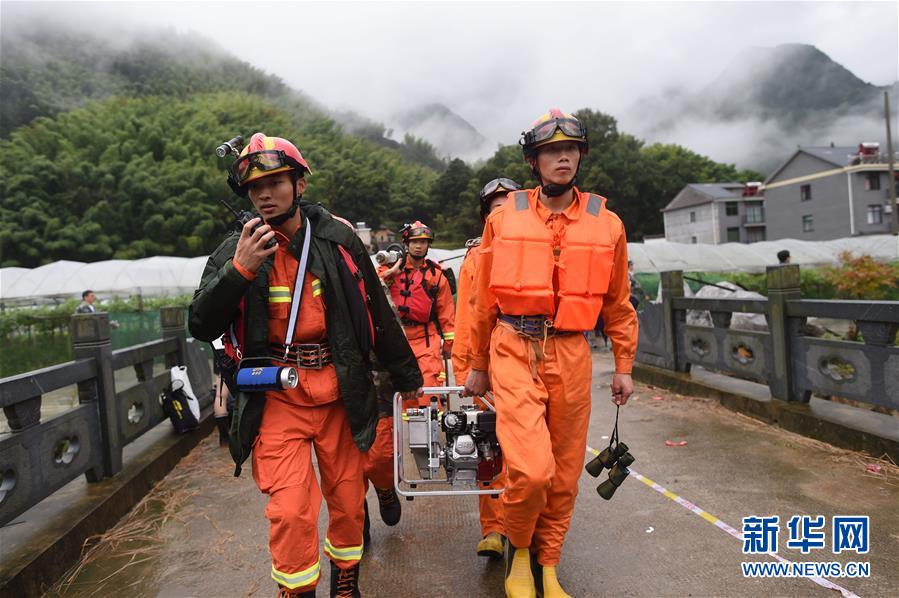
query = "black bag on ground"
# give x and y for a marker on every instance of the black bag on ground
(174, 404)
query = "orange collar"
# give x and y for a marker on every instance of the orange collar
(572, 212)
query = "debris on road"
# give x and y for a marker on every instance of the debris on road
(675, 443)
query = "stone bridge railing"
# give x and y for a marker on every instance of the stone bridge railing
(39, 457)
(792, 364)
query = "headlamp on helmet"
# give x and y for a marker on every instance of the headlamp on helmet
(262, 157)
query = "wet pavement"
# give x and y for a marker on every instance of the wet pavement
(203, 533)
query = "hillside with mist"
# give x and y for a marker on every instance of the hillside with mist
(47, 69)
(448, 132)
(765, 103)
(108, 152)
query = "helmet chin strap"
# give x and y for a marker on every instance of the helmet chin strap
(282, 218)
(552, 189)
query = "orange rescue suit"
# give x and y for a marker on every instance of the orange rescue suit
(490, 507)
(568, 266)
(423, 336)
(294, 422)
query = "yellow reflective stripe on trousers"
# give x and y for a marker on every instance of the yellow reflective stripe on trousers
(316, 287)
(295, 580)
(449, 336)
(350, 553)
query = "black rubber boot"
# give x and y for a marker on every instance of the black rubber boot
(345, 582)
(537, 571)
(223, 423)
(389, 505)
(366, 528)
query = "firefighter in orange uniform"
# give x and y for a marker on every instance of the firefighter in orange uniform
(424, 301)
(304, 302)
(551, 260)
(493, 195)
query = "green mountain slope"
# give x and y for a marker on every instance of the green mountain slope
(135, 177)
(108, 153)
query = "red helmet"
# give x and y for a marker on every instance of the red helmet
(264, 156)
(417, 230)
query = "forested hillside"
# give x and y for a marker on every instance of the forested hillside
(108, 153)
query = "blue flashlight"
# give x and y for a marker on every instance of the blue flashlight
(266, 378)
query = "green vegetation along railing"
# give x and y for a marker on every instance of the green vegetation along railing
(39, 457)
(791, 362)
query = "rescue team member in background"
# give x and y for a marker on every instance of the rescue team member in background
(493, 195)
(247, 291)
(424, 302)
(551, 260)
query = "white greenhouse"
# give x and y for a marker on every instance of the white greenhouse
(155, 276)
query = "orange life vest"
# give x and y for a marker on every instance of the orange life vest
(413, 294)
(524, 261)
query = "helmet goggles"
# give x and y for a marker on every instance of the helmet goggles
(253, 164)
(417, 230)
(544, 131)
(500, 184)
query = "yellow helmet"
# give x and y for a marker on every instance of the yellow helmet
(552, 127)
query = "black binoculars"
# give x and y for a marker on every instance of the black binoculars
(616, 459)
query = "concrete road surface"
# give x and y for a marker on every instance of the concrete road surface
(208, 535)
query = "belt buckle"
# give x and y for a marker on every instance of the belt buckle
(530, 325)
(314, 359)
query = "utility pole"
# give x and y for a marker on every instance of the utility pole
(891, 180)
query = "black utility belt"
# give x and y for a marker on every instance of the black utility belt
(408, 322)
(535, 326)
(306, 356)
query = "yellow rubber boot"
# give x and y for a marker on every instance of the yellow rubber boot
(519, 580)
(551, 587)
(491, 546)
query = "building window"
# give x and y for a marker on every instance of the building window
(755, 213)
(693, 240)
(692, 216)
(808, 223)
(733, 234)
(731, 208)
(805, 192)
(754, 235)
(875, 214)
(872, 181)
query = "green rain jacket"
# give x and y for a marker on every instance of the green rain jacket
(216, 304)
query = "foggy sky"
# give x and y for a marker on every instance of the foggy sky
(499, 65)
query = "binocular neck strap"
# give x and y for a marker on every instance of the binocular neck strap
(613, 439)
(298, 289)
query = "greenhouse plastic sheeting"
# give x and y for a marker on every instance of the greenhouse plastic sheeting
(155, 276)
(149, 277)
(661, 256)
